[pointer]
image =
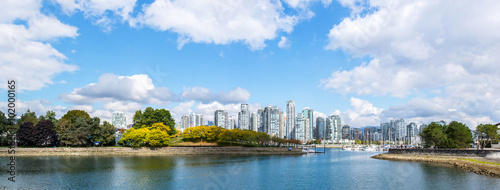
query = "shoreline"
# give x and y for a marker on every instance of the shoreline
(478, 165)
(164, 151)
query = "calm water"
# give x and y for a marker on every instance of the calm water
(334, 170)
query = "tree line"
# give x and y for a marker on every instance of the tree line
(76, 128)
(233, 136)
(457, 135)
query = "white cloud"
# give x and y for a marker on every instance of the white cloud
(24, 54)
(98, 10)
(135, 88)
(39, 106)
(237, 95)
(205, 95)
(219, 22)
(416, 47)
(11, 10)
(284, 43)
(123, 106)
(199, 94)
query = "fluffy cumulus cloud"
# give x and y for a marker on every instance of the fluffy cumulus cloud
(111, 87)
(26, 54)
(205, 95)
(39, 106)
(219, 22)
(419, 46)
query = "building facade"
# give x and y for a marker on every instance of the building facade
(119, 120)
(244, 117)
(320, 127)
(290, 119)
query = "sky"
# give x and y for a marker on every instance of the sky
(367, 61)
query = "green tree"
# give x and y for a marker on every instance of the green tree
(151, 116)
(433, 135)
(49, 115)
(83, 132)
(4, 129)
(28, 117)
(106, 134)
(458, 134)
(485, 133)
(73, 115)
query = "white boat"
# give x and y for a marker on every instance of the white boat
(307, 150)
(369, 149)
(356, 148)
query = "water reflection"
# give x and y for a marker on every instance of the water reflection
(333, 170)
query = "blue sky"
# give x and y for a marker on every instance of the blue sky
(368, 61)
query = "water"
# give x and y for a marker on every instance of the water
(334, 170)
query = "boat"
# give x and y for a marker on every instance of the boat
(307, 150)
(369, 149)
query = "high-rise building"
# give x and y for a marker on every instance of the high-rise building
(221, 119)
(356, 134)
(385, 127)
(399, 127)
(346, 132)
(300, 126)
(320, 128)
(261, 116)
(290, 119)
(308, 113)
(254, 122)
(119, 120)
(411, 131)
(334, 128)
(231, 123)
(196, 120)
(281, 132)
(244, 117)
(185, 122)
(273, 121)
(210, 123)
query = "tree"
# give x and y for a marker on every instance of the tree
(157, 138)
(49, 115)
(106, 134)
(25, 134)
(82, 132)
(134, 137)
(64, 130)
(4, 129)
(432, 134)
(28, 117)
(458, 134)
(151, 116)
(485, 133)
(73, 115)
(44, 133)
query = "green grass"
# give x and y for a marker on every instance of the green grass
(481, 162)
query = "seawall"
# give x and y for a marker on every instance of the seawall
(443, 152)
(478, 165)
(126, 151)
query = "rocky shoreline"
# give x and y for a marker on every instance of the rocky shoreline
(126, 151)
(478, 165)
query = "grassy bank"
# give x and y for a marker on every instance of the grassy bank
(477, 165)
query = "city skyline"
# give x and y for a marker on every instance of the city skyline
(368, 62)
